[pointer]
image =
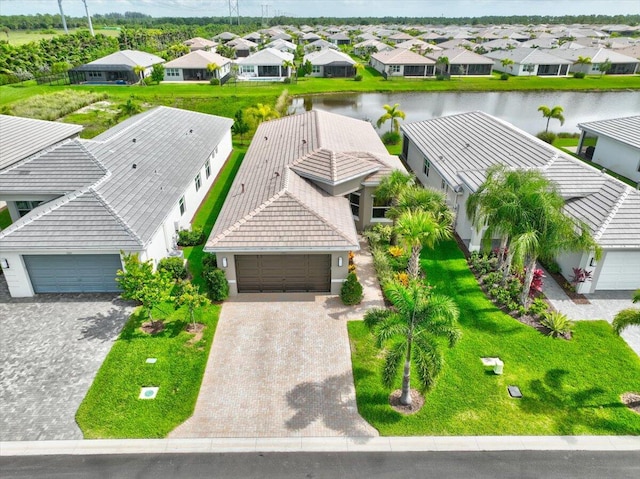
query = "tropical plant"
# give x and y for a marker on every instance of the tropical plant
(557, 323)
(261, 112)
(548, 113)
(128, 108)
(583, 60)
(289, 67)
(411, 332)
(191, 298)
(442, 64)
(213, 68)
(627, 317)
(392, 114)
(605, 66)
(389, 191)
(581, 275)
(139, 72)
(240, 127)
(351, 291)
(157, 73)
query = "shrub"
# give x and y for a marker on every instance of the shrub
(191, 237)
(581, 275)
(214, 81)
(440, 77)
(492, 279)
(402, 278)
(287, 80)
(504, 76)
(557, 323)
(537, 282)
(391, 138)
(547, 136)
(174, 266)
(351, 292)
(357, 78)
(217, 284)
(538, 307)
(381, 263)
(209, 261)
(579, 75)
(396, 251)
(379, 234)
(552, 266)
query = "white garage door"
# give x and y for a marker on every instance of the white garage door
(620, 271)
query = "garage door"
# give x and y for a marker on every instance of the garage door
(278, 273)
(77, 273)
(621, 270)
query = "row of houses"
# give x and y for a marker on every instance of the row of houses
(304, 191)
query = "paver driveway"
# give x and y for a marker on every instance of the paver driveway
(279, 366)
(51, 348)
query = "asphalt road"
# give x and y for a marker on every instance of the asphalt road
(369, 465)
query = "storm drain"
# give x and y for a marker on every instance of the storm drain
(148, 393)
(514, 392)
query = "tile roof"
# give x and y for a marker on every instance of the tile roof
(197, 59)
(268, 56)
(328, 56)
(523, 55)
(461, 56)
(23, 137)
(597, 55)
(462, 147)
(333, 168)
(625, 130)
(130, 58)
(402, 56)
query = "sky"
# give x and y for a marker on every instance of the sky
(327, 8)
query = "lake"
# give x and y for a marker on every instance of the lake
(518, 108)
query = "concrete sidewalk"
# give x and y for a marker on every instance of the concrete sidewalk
(322, 444)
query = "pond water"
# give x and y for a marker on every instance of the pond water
(518, 108)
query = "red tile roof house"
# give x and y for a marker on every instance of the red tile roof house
(76, 204)
(305, 187)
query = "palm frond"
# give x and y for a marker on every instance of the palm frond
(392, 361)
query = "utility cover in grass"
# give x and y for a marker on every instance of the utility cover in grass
(514, 392)
(148, 393)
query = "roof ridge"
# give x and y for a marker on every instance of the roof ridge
(116, 216)
(612, 213)
(95, 159)
(38, 154)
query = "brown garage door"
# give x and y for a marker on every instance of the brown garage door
(278, 273)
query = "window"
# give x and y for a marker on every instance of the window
(315, 69)
(394, 69)
(379, 209)
(172, 72)
(183, 208)
(426, 166)
(207, 168)
(25, 206)
(354, 200)
(198, 181)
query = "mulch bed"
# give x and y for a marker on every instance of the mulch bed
(197, 330)
(417, 401)
(152, 327)
(632, 401)
(577, 298)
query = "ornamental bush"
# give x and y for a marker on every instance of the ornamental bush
(190, 237)
(217, 284)
(579, 75)
(351, 292)
(557, 323)
(174, 266)
(547, 136)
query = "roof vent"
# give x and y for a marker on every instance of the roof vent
(242, 184)
(304, 142)
(276, 174)
(134, 166)
(265, 138)
(134, 140)
(191, 130)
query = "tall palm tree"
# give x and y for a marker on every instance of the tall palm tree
(392, 113)
(139, 71)
(417, 229)
(443, 64)
(261, 112)
(288, 64)
(390, 189)
(213, 68)
(411, 331)
(555, 113)
(627, 317)
(507, 62)
(583, 60)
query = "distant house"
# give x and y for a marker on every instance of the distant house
(194, 67)
(418, 46)
(310, 37)
(453, 153)
(130, 189)
(254, 37)
(403, 63)
(529, 62)
(224, 37)
(399, 37)
(498, 44)
(242, 47)
(339, 39)
(198, 43)
(330, 63)
(265, 64)
(613, 143)
(367, 47)
(464, 62)
(318, 45)
(620, 64)
(118, 67)
(282, 45)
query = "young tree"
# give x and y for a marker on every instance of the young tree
(213, 68)
(442, 64)
(392, 113)
(411, 332)
(583, 61)
(240, 127)
(139, 71)
(605, 66)
(390, 190)
(548, 113)
(627, 317)
(191, 297)
(157, 74)
(261, 112)
(507, 62)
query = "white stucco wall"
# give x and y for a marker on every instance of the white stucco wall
(618, 157)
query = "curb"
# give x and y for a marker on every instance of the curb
(321, 444)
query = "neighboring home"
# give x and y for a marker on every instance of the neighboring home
(368, 47)
(529, 62)
(632, 51)
(281, 36)
(464, 62)
(199, 43)
(242, 47)
(435, 37)
(330, 63)
(254, 37)
(339, 39)
(304, 189)
(130, 189)
(310, 37)
(614, 144)
(403, 63)
(620, 64)
(418, 46)
(194, 66)
(399, 37)
(457, 43)
(366, 36)
(265, 65)
(546, 42)
(118, 67)
(452, 154)
(282, 45)
(224, 37)
(498, 44)
(319, 45)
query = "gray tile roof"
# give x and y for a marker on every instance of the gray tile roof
(23, 137)
(328, 56)
(597, 55)
(168, 147)
(333, 168)
(268, 56)
(461, 147)
(461, 56)
(197, 59)
(402, 56)
(625, 130)
(531, 56)
(64, 169)
(130, 58)
(271, 207)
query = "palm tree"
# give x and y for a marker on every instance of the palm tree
(442, 63)
(392, 113)
(213, 68)
(261, 113)
(357, 67)
(548, 113)
(139, 71)
(583, 60)
(605, 66)
(418, 229)
(412, 331)
(627, 317)
(288, 64)
(390, 189)
(507, 62)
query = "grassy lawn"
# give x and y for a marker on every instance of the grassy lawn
(569, 387)
(111, 408)
(5, 218)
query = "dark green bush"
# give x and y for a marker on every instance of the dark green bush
(217, 284)
(504, 76)
(579, 75)
(173, 265)
(552, 266)
(538, 306)
(191, 237)
(209, 261)
(358, 78)
(547, 136)
(287, 80)
(214, 81)
(440, 77)
(351, 292)
(391, 138)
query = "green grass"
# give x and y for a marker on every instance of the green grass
(111, 408)
(569, 387)
(5, 218)
(20, 37)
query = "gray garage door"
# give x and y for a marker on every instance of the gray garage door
(73, 273)
(278, 273)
